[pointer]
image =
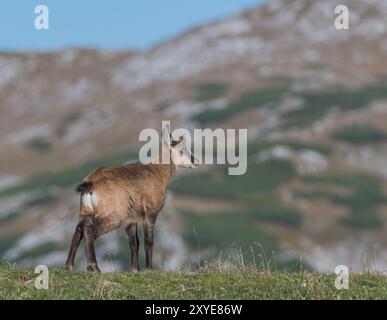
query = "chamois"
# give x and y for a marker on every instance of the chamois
(125, 195)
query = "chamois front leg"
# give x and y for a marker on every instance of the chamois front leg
(131, 231)
(149, 223)
(89, 233)
(77, 237)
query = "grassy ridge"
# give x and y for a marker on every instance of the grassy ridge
(16, 283)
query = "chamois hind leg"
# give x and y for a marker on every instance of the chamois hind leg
(77, 237)
(89, 233)
(131, 231)
(148, 225)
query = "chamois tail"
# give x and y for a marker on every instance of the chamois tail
(84, 187)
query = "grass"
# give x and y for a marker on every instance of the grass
(359, 134)
(208, 283)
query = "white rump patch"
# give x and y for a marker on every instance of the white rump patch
(94, 199)
(90, 200)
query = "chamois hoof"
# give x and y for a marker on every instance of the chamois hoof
(69, 267)
(93, 268)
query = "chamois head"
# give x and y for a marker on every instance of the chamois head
(181, 155)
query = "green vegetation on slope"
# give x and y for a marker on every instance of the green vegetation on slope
(258, 146)
(360, 134)
(67, 121)
(365, 196)
(224, 232)
(68, 176)
(260, 177)
(8, 241)
(255, 192)
(248, 100)
(208, 283)
(40, 145)
(236, 234)
(317, 104)
(41, 185)
(209, 91)
(38, 200)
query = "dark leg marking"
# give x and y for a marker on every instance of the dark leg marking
(131, 231)
(74, 246)
(89, 234)
(148, 226)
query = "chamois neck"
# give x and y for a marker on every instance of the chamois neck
(167, 171)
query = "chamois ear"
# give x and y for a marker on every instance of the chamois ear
(176, 142)
(166, 135)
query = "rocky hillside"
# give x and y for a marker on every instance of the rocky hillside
(313, 99)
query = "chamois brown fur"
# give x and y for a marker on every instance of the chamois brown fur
(127, 194)
(123, 196)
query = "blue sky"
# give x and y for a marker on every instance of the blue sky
(112, 25)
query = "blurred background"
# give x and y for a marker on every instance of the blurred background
(314, 100)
